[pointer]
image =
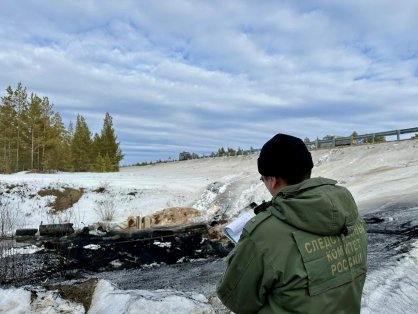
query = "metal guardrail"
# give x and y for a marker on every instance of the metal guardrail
(343, 140)
(350, 140)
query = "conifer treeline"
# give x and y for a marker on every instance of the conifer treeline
(33, 137)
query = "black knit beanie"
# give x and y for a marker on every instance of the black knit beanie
(284, 156)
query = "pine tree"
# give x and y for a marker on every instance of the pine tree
(66, 160)
(103, 164)
(15, 101)
(81, 146)
(32, 136)
(108, 144)
(7, 130)
(50, 136)
(20, 99)
(57, 153)
(99, 164)
(231, 151)
(97, 145)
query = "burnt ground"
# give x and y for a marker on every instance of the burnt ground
(68, 257)
(197, 275)
(392, 230)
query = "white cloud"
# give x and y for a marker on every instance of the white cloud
(185, 71)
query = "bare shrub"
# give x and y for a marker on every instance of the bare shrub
(72, 215)
(106, 208)
(8, 219)
(103, 187)
(76, 217)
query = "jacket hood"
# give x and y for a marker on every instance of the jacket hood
(317, 206)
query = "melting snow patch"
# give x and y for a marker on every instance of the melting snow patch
(14, 301)
(152, 265)
(108, 299)
(51, 302)
(92, 247)
(21, 250)
(18, 301)
(209, 195)
(116, 263)
(181, 260)
(162, 244)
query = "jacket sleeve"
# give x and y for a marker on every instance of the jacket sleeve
(245, 283)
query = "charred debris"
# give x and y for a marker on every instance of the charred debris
(104, 248)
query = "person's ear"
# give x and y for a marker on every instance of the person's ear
(275, 182)
(278, 183)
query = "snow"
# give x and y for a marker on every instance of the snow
(18, 301)
(20, 250)
(14, 301)
(108, 299)
(162, 244)
(92, 247)
(375, 174)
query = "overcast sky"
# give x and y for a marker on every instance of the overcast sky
(198, 75)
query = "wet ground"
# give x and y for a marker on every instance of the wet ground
(198, 276)
(392, 229)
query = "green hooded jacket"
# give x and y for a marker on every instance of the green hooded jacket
(306, 253)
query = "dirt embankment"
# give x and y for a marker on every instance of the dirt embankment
(63, 199)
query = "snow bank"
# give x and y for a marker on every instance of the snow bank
(14, 301)
(108, 299)
(18, 301)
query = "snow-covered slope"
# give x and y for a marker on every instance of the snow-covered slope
(374, 173)
(377, 175)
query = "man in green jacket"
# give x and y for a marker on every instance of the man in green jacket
(306, 250)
